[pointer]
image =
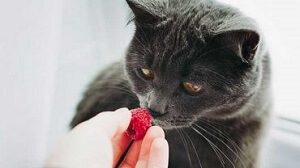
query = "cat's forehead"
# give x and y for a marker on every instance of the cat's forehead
(176, 59)
(185, 33)
(177, 47)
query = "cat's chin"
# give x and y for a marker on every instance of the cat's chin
(171, 125)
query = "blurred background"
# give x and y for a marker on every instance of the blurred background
(51, 49)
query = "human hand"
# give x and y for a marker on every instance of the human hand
(100, 142)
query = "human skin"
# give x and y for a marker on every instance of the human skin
(101, 141)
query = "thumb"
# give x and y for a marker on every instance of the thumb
(159, 154)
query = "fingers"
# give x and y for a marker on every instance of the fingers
(152, 133)
(159, 154)
(112, 123)
(120, 144)
(132, 155)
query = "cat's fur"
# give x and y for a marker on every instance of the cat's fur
(204, 42)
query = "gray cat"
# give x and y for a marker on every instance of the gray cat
(202, 69)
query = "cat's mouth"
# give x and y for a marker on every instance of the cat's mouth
(172, 122)
(167, 119)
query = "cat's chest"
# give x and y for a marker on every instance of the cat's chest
(202, 147)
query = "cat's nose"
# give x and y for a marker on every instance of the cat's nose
(156, 106)
(155, 113)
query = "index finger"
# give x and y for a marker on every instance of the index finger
(111, 123)
(114, 125)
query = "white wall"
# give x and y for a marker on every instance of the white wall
(49, 52)
(93, 34)
(28, 51)
(280, 22)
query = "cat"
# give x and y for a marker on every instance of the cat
(203, 70)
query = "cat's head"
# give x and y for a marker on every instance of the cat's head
(191, 58)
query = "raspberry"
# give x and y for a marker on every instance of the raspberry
(139, 124)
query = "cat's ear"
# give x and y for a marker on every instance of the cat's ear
(244, 43)
(146, 12)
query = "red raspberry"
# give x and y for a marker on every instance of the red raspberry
(139, 124)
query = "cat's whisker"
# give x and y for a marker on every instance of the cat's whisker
(234, 152)
(188, 150)
(209, 141)
(226, 137)
(184, 145)
(193, 146)
(213, 146)
(218, 154)
(216, 123)
(214, 50)
(219, 132)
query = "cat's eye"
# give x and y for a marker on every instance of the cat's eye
(192, 88)
(147, 73)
